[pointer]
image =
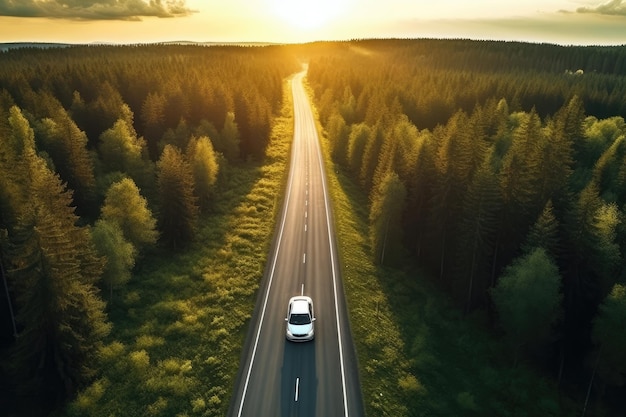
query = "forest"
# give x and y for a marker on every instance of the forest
(109, 157)
(498, 168)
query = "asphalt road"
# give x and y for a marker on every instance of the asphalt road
(318, 378)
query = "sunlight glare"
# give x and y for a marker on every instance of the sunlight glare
(308, 14)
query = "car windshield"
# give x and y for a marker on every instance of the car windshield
(299, 319)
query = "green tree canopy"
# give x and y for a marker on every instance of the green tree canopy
(528, 299)
(121, 150)
(124, 206)
(609, 335)
(119, 254)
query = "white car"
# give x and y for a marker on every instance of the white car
(300, 319)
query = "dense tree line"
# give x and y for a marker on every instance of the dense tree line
(106, 152)
(500, 168)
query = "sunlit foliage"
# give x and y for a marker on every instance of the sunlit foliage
(82, 128)
(503, 148)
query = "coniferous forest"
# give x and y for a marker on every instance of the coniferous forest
(106, 155)
(498, 169)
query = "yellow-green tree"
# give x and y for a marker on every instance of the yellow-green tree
(119, 254)
(205, 167)
(125, 206)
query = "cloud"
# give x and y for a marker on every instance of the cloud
(612, 8)
(95, 9)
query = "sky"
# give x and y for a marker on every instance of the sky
(566, 22)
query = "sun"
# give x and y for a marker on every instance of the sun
(308, 14)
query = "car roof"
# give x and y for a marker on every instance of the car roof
(300, 304)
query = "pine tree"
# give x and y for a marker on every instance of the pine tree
(205, 167)
(544, 233)
(347, 108)
(556, 163)
(178, 137)
(52, 268)
(104, 110)
(386, 218)
(229, 139)
(477, 233)
(569, 122)
(453, 164)
(519, 178)
(370, 158)
(593, 254)
(153, 120)
(179, 211)
(67, 146)
(338, 134)
(359, 134)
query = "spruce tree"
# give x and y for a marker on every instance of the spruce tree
(338, 134)
(67, 146)
(52, 268)
(359, 134)
(477, 234)
(544, 233)
(386, 218)
(179, 211)
(229, 138)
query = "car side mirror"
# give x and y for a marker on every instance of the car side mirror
(286, 319)
(314, 318)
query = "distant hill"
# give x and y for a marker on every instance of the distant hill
(44, 45)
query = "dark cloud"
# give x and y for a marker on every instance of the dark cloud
(95, 9)
(612, 8)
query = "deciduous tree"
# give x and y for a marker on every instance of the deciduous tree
(119, 254)
(609, 336)
(528, 299)
(125, 206)
(205, 167)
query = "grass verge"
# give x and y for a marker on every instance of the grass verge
(180, 324)
(418, 356)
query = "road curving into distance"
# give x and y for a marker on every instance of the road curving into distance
(319, 378)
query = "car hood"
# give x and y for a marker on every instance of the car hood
(299, 329)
